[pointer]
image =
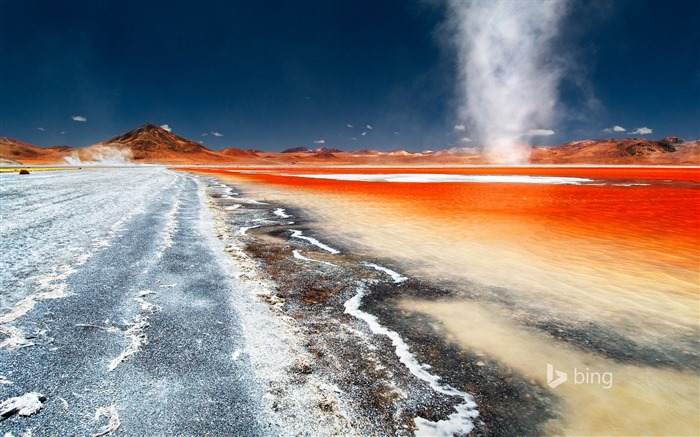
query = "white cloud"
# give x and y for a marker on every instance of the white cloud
(79, 118)
(41, 129)
(460, 127)
(615, 129)
(364, 133)
(63, 132)
(397, 134)
(465, 140)
(369, 126)
(166, 127)
(204, 135)
(539, 132)
(320, 142)
(217, 134)
(349, 125)
(641, 131)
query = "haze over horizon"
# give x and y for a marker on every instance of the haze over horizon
(349, 75)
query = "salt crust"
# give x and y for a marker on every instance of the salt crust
(272, 343)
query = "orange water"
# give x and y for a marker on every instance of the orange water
(624, 257)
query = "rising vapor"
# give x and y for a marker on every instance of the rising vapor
(508, 73)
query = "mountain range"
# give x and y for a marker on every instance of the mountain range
(154, 145)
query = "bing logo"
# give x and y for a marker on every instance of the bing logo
(555, 378)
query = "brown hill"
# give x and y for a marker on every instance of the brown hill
(153, 144)
(238, 153)
(23, 153)
(668, 151)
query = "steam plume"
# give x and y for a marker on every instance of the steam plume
(508, 76)
(99, 155)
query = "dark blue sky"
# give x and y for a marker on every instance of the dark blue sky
(277, 74)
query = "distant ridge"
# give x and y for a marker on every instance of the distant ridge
(152, 144)
(625, 151)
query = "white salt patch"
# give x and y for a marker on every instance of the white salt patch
(298, 234)
(395, 276)
(110, 413)
(244, 229)
(298, 255)
(25, 405)
(21, 308)
(53, 282)
(171, 226)
(138, 338)
(279, 212)
(427, 178)
(15, 338)
(458, 422)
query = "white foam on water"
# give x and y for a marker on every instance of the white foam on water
(279, 212)
(232, 207)
(298, 255)
(459, 422)
(395, 276)
(298, 234)
(435, 177)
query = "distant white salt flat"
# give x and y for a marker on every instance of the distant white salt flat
(436, 177)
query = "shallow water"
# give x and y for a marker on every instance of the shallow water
(596, 276)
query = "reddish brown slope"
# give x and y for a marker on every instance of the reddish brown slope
(668, 151)
(17, 151)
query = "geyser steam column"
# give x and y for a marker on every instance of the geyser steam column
(508, 71)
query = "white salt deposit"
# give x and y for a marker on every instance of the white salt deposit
(395, 276)
(429, 177)
(298, 234)
(25, 405)
(459, 422)
(243, 229)
(298, 255)
(279, 212)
